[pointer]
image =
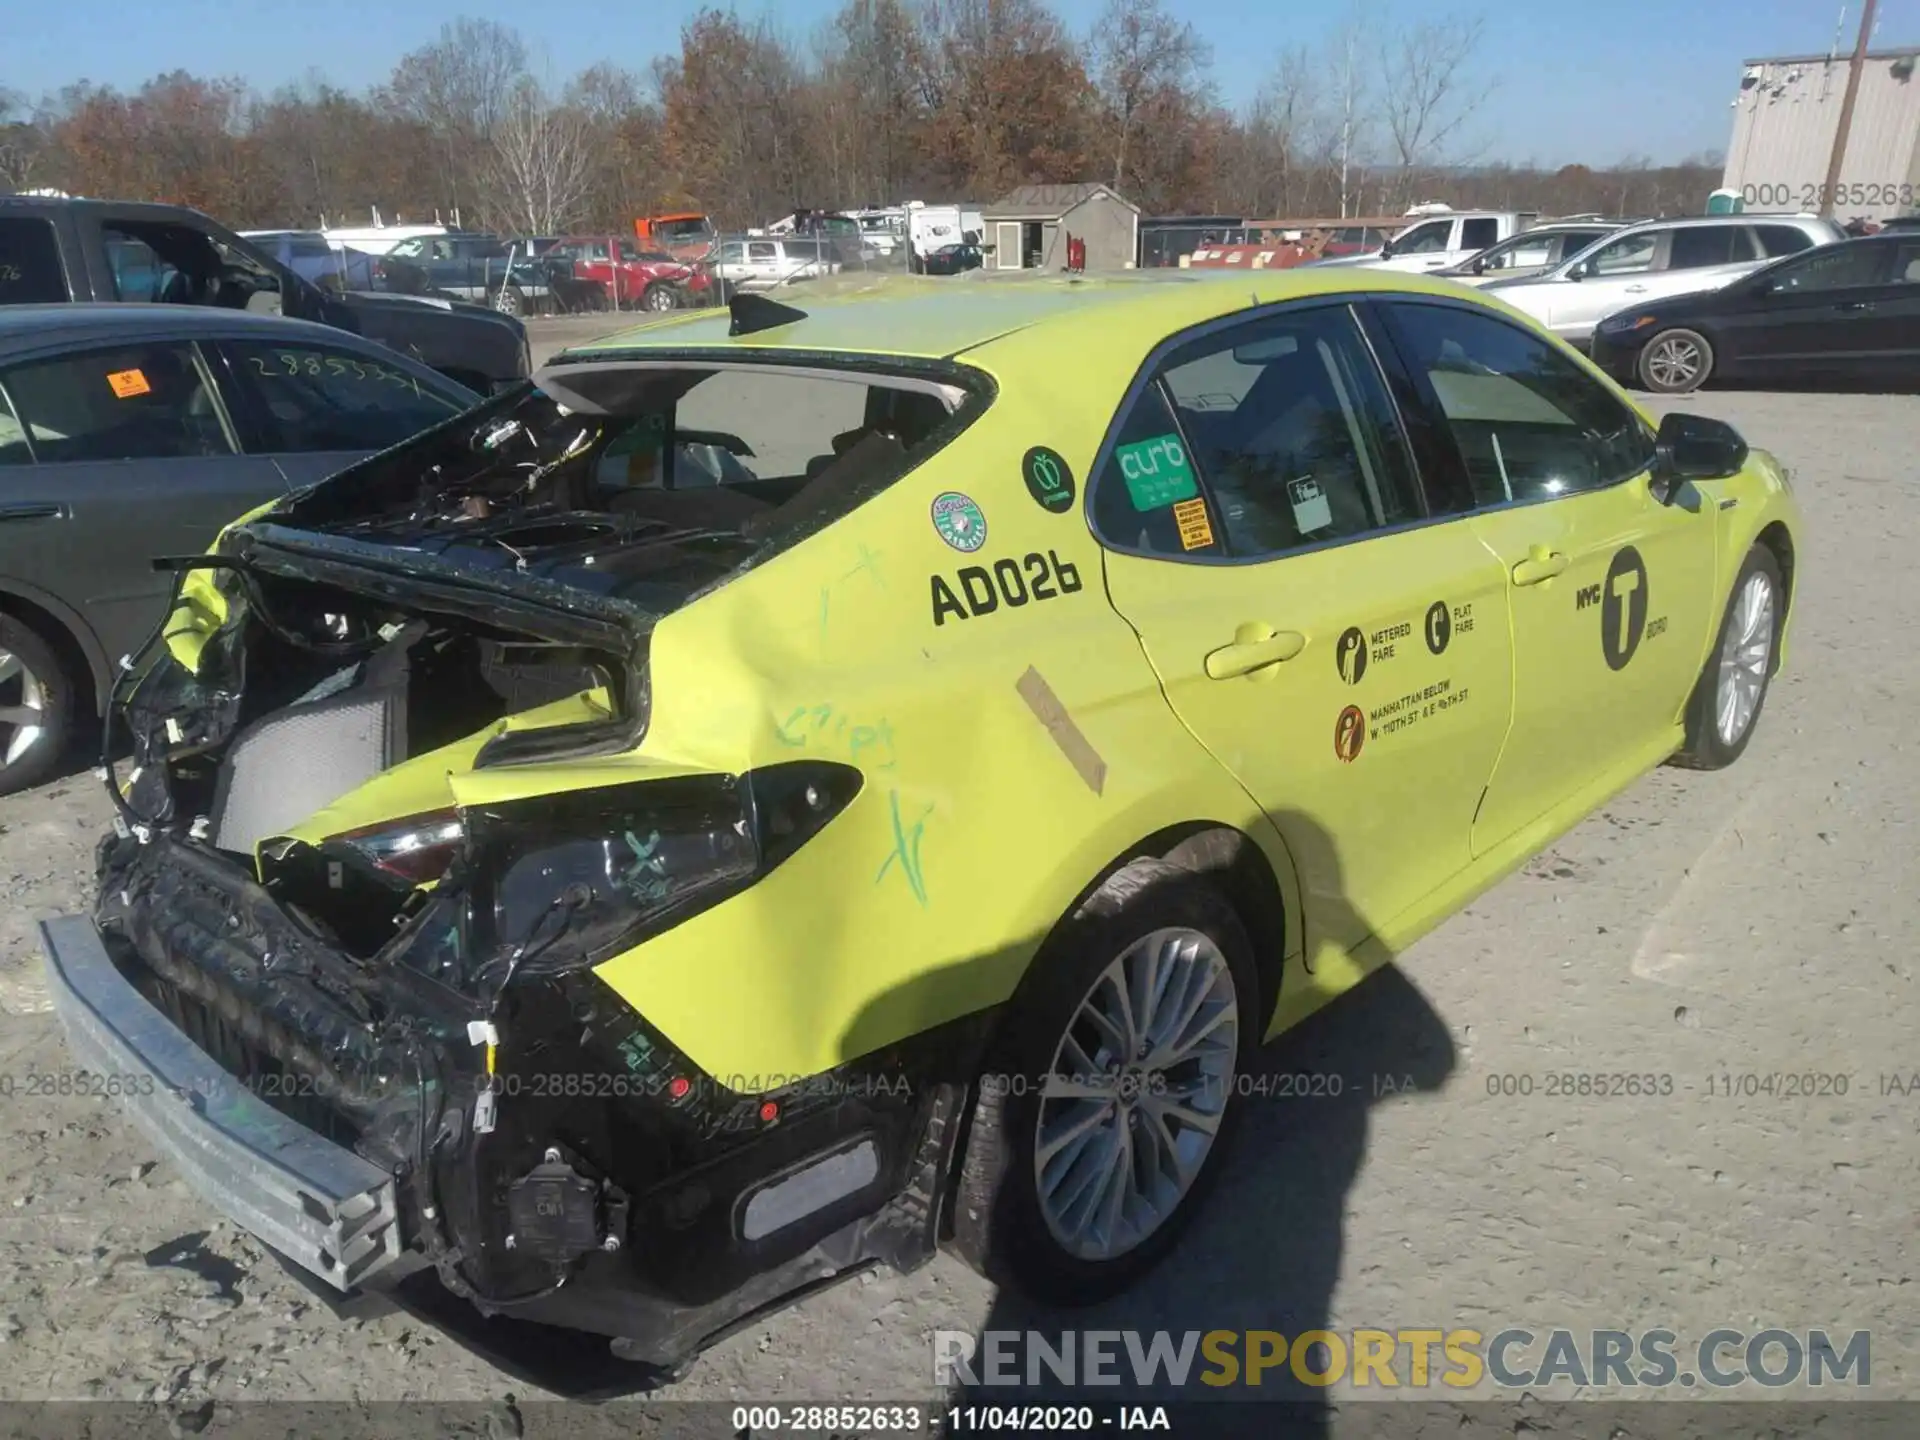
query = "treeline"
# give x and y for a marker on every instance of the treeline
(893, 99)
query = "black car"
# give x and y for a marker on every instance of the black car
(1850, 310)
(481, 268)
(953, 259)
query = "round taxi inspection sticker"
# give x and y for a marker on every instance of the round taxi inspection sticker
(959, 521)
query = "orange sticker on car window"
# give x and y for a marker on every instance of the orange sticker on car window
(1196, 533)
(129, 383)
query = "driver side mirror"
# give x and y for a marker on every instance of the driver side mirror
(1386, 249)
(1694, 447)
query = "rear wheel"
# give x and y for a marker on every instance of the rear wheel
(1675, 361)
(510, 300)
(1100, 1121)
(36, 707)
(1732, 689)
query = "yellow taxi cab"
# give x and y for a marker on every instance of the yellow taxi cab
(798, 786)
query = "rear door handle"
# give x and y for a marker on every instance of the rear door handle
(1541, 564)
(1854, 305)
(1636, 290)
(33, 510)
(1254, 647)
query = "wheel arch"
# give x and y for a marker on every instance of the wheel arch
(1778, 540)
(62, 628)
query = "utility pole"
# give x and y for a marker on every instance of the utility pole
(1846, 111)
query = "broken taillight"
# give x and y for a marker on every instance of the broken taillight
(417, 848)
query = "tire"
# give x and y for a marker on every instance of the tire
(657, 299)
(36, 702)
(510, 301)
(1675, 362)
(1747, 645)
(1002, 1226)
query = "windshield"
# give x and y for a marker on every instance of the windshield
(752, 455)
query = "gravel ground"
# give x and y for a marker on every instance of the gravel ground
(1753, 921)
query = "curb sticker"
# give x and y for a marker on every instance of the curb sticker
(1349, 733)
(1439, 627)
(1156, 472)
(959, 521)
(1196, 533)
(1350, 654)
(1048, 478)
(129, 383)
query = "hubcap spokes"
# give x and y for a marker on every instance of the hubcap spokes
(1133, 1099)
(23, 705)
(1745, 656)
(1674, 362)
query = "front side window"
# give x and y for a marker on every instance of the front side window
(1264, 439)
(1906, 263)
(1529, 423)
(1424, 239)
(408, 249)
(732, 252)
(315, 398)
(762, 251)
(1697, 246)
(1836, 267)
(1629, 255)
(30, 269)
(131, 402)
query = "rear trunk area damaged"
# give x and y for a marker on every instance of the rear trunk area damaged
(391, 806)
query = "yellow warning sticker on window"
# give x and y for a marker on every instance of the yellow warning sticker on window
(129, 383)
(1191, 516)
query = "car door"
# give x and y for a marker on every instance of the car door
(120, 453)
(762, 261)
(1831, 309)
(1616, 274)
(315, 407)
(1610, 592)
(1424, 247)
(1315, 619)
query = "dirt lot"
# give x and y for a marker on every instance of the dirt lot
(1755, 921)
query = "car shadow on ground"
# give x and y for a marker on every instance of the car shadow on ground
(1264, 1252)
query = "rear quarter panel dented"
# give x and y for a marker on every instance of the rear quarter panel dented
(974, 833)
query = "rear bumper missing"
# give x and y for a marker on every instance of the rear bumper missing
(317, 1203)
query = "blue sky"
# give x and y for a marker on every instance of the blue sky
(1576, 81)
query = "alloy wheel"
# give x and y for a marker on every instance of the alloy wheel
(1745, 656)
(1674, 362)
(23, 705)
(1135, 1094)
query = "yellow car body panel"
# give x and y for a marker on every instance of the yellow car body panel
(1012, 754)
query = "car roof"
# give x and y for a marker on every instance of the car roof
(134, 320)
(930, 318)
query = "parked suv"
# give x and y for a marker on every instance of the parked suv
(1532, 252)
(1653, 260)
(756, 263)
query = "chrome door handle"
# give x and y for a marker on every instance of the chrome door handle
(1543, 564)
(1854, 305)
(33, 510)
(1255, 647)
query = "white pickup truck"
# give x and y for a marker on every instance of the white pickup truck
(1442, 237)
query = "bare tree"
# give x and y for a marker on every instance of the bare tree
(540, 164)
(23, 142)
(461, 87)
(1274, 134)
(1142, 56)
(1429, 93)
(1347, 126)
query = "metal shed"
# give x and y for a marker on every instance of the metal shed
(1028, 227)
(1785, 114)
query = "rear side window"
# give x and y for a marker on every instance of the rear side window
(1479, 234)
(1906, 263)
(14, 449)
(1783, 239)
(30, 270)
(315, 398)
(1528, 422)
(1281, 436)
(134, 402)
(1696, 246)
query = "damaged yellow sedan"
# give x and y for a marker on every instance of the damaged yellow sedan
(798, 786)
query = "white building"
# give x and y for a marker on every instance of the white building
(1785, 116)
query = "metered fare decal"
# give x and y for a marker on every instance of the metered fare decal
(977, 590)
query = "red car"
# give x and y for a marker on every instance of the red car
(633, 278)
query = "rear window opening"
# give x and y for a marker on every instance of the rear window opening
(647, 481)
